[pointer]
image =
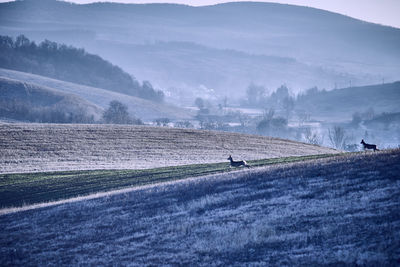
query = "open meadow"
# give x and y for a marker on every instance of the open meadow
(341, 210)
(56, 147)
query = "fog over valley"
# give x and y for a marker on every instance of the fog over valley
(223, 47)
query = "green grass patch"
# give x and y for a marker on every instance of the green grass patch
(31, 188)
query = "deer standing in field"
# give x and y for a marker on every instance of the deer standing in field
(238, 163)
(368, 146)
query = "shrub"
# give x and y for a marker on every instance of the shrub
(117, 113)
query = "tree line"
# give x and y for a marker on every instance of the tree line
(17, 109)
(71, 64)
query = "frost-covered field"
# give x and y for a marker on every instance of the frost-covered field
(341, 210)
(51, 147)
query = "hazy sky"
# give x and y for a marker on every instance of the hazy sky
(385, 12)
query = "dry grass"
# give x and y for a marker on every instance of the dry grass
(336, 211)
(50, 147)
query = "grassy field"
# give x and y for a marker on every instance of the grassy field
(31, 188)
(341, 210)
(51, 147)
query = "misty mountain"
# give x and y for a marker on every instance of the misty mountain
(342, 48)
(31, 102)
(70, 64)
(138, 107)
(343, 102)
(207, 71)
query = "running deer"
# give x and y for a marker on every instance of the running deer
(238, 163)
(368, 146)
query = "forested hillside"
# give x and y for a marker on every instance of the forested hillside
(71, 64)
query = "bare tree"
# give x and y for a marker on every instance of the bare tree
(162, 122)
(288, 106)
(337, 137)
(255, 94)
(118, 113)
(244, 119)
(312, 137)
(184, 124)
(270, 123)
(268, 114)
(264, 125)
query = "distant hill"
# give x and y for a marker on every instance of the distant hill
(31, 102)
(70, 64)
(323, 44)
(141, 108)
(206, 71)
(344, 102)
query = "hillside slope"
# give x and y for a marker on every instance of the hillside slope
(261, 21)
(143, 109)
(344, 102)
(30, 102)
(74, 147)
(71, 64)
(335, 44)
(189, 65)
(337, 211)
